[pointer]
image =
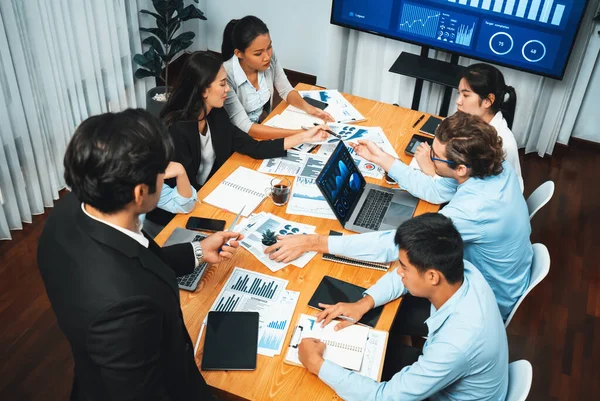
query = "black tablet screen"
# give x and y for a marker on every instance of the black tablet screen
(231, 341)
(331, 291)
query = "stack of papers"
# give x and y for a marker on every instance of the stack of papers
(293, 120)
(248, 291)
(253, 229)
(338, 107)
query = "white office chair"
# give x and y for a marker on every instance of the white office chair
(540, 266)
(520, 375)
(540, 197)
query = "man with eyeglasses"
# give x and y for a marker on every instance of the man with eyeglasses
(485, 204)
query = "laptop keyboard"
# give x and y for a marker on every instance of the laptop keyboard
(190, 281)
(372, 212)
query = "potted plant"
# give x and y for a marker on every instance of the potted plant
(164, 46)
(269, 238)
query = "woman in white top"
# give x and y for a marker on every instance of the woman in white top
(253, 73)
(483, 92)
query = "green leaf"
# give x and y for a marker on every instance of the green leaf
(154, 44)
(150, 60)
(143, 73)
(155, 15)
(141, 59)
(179, 46)
(191, 12)
(160, 34)
(184, 37)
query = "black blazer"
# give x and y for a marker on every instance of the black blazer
(118, 305)
(226, 139)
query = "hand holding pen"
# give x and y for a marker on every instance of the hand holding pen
(231, 227)
(349, 313)
(330, 132)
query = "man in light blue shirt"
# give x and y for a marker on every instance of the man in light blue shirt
(487, 206)
(465, 356)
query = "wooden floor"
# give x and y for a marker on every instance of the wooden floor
(557, 327)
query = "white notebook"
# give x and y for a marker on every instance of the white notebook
(289, 119)
(345, 347)
(244, 188)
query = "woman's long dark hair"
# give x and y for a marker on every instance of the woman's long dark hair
(238, 34)
(186, 101)
(485, 79)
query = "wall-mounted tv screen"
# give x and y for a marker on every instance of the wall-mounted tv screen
(530, 35)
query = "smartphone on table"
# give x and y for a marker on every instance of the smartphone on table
(204, 224)
(415, 142)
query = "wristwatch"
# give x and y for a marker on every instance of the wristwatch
(198, 252)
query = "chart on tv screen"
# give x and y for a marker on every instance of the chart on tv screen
(534, 35)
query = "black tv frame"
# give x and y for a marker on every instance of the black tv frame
(461, 54)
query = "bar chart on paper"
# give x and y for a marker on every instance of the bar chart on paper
(227, 303)
(277, 321)
(273, 336)
(544, 11)
(256, 284)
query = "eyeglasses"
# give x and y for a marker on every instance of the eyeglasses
(449, 162)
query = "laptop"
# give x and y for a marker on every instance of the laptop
(189, 282)
(359, 206)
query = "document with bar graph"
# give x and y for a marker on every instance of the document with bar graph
(271, 335)
(249, 291)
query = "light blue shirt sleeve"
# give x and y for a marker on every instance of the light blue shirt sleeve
(431, 189)
(171, 201)
(387, 288)
(439, 366)
(377, 246)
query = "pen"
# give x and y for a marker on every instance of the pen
(418, 121)
(347, 318)
(330, 132)
(231, 227)
(198, 339)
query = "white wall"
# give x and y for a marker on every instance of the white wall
(300, 30)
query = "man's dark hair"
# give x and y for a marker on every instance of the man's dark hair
(111, 153)
(432, 242)
(471, 141)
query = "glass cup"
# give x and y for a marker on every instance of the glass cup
(279, 191)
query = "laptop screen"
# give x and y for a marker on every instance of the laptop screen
(341, 183)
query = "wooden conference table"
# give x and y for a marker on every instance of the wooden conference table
(274, 380)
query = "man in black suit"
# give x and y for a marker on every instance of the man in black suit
(113, 289)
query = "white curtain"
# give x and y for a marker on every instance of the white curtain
(60, 62)
(358, 63)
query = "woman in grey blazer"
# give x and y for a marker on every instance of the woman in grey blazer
(253, 73)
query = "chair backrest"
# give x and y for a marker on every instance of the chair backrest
(520, 375)
(540, 197)
(540, 266)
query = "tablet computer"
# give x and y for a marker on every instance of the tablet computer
(231, 341)
(430, 125)
(331, 291)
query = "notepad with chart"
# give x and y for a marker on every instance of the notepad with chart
(244, 188)
(358, 348)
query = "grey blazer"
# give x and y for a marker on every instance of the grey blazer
(236, 101)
